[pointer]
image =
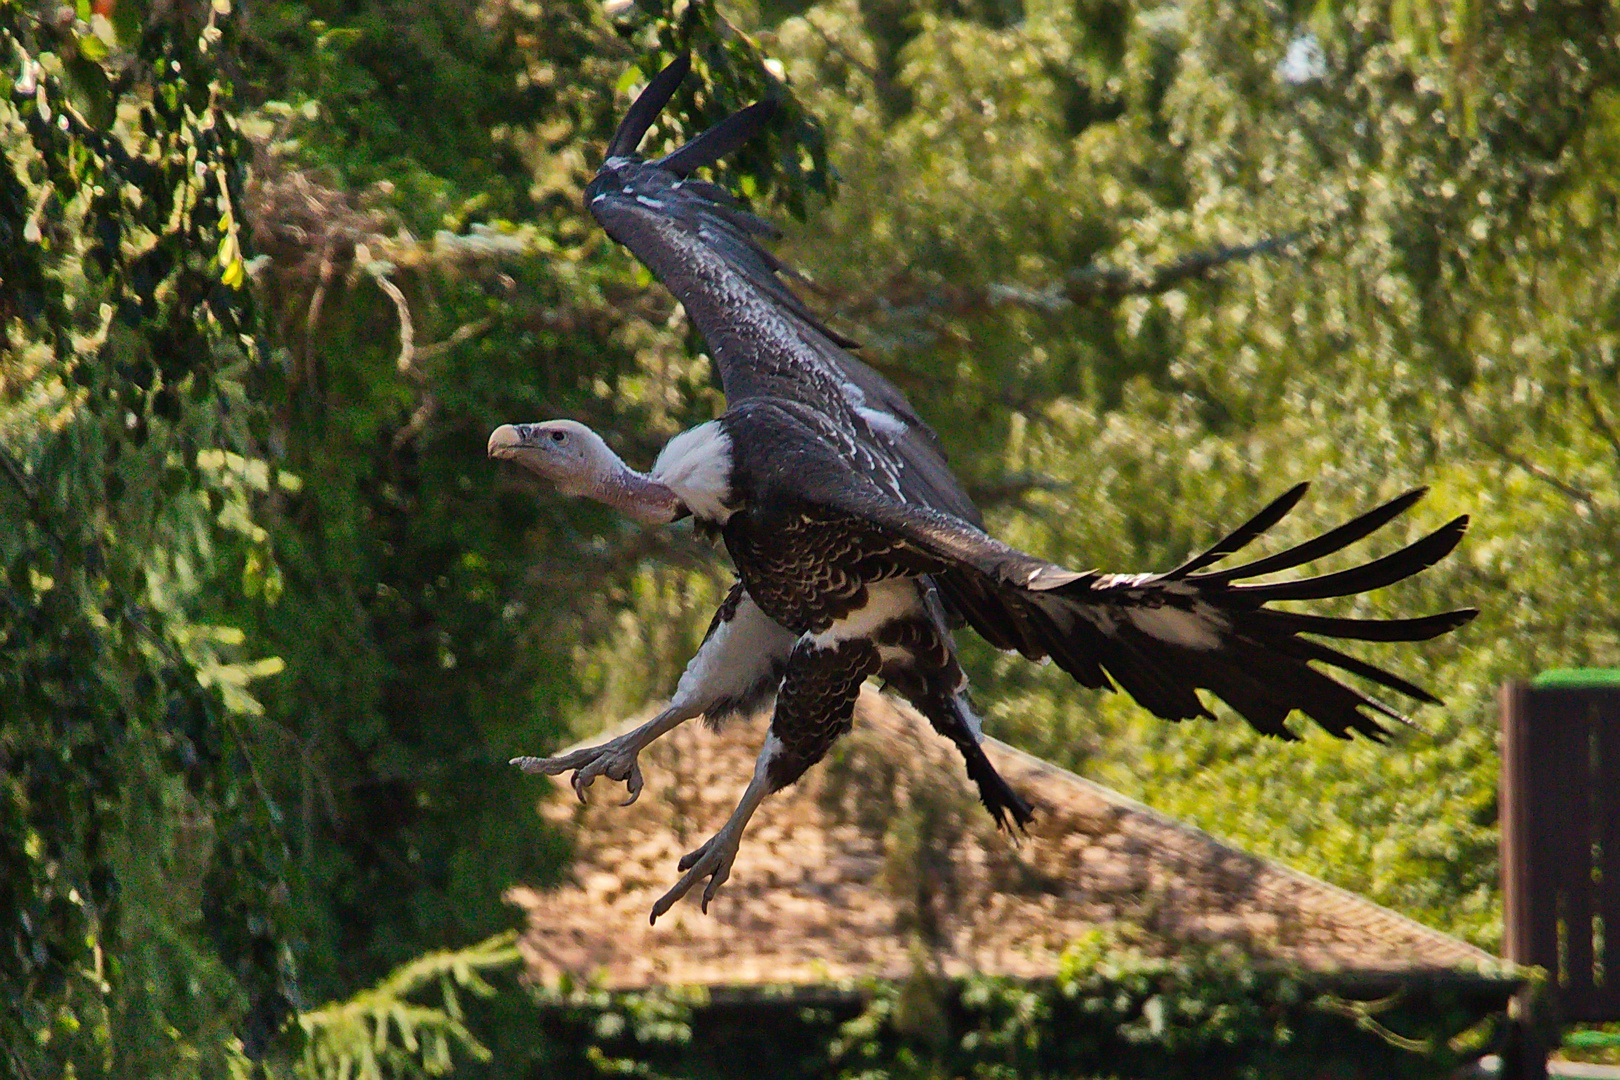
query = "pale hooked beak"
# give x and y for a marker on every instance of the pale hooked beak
(505, 441)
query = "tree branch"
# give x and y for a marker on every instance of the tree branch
(1090, 284)
(1080, 287)
(1578, 494)
(1010, 490)
(1601, 421)
(407, 325)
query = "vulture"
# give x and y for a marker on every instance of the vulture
(858, 554)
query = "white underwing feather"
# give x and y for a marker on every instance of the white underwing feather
(885, 601)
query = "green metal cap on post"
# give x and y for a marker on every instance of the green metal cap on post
(1576, 678)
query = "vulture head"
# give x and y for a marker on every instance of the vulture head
(579, 463)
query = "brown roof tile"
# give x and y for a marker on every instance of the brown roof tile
(881, 858)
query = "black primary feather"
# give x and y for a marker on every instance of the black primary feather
(648, 104)
(719, 140)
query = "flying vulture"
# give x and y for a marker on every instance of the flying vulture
(858, 553)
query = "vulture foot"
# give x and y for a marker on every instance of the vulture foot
(615, 759)
(713, 861)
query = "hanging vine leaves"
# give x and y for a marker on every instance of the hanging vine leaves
(137, 849)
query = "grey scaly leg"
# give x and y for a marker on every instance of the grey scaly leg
(736, 669)
(813, 709)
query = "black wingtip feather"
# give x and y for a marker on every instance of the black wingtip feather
(1311, 650)
(719, 140)
(1391, 568)
(645, 109)
(1327, 543)
(1350, 629)
(1244, 534)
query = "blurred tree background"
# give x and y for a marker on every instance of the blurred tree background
(271, 624)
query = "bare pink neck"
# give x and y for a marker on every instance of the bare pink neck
(638, 497)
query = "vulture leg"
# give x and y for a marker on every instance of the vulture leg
(736, 669)
(919, 661)
(814, 708)
(953, 718)
(713, 860)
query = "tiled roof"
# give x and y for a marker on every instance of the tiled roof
(881, 859)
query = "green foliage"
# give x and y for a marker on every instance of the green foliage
(1114, 1010)
(380, 1032)
(1595, 1043)
(199, 497)
(139, 852)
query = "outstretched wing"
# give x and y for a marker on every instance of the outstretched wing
(1163, 637)
(708, 250)
(1160, 637)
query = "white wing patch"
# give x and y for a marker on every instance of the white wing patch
(882, 422)
(738, 654)
(1196, 629)
(885, 601)
(696, 466)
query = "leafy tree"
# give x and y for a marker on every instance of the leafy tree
(433, 610)
(141, 855)
(201, 492)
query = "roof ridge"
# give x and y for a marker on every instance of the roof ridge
(1126, 802)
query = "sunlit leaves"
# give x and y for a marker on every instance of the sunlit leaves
(125, 365)
(381, 1032)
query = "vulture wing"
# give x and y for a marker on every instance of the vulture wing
(709, 251)
(1160, 637)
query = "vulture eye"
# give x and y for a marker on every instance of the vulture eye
(558, 437)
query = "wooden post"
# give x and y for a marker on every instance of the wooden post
(1560, 822)
(1525, 1057)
